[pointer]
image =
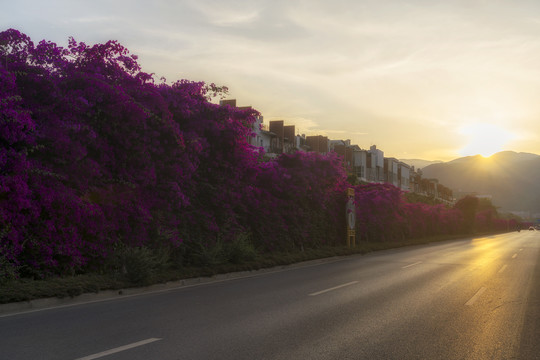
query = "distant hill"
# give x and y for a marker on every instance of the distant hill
(512, 179)
(418, 163)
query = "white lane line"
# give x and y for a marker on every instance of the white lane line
(406, 266)
(514, 256)
(333, 288)
(503, 268)
(475, 297)
(118, 349)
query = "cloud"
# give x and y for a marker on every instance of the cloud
(362, 67)
(227, 13)
(90, 20)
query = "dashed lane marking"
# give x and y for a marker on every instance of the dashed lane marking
(406, 266)
(476, 296)
(333, 288)
(119, 349)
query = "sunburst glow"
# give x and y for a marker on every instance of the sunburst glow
(484, 139)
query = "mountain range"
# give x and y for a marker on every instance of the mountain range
(511, 179)
(419, 163)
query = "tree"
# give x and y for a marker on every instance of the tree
(468, 207)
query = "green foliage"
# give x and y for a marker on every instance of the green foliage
(240, 250)
(203, 254)
(207, 254)
(26, 289)
(468, 207)
(419, 198)
(8, 270)
(485, 204)
(353, 179)
(138, 264)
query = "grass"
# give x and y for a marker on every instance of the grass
(27, 289)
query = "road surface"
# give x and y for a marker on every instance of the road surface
(465, 299)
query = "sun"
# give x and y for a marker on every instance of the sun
(484, 139)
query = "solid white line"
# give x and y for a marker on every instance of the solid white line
(334, 288)
(514, 256)
(118, 349)
(475, 297)
(416, 263)
(503, 268)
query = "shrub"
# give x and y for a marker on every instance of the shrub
(240, 250)
(138, 264)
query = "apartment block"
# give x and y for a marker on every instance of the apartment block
(318, 143)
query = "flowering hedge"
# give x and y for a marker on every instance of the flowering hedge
(95, 156)
(299, 201)
(116, 158)
(383, 214)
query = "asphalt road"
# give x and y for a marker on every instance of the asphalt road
(465, 299)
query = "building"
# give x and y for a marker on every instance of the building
(404, 175)
(318, 143)
(289, 139)
(277, 128)
(283, 138)
(300, 143)
(391, 171)
(360, 157)
(345, 150)
(261, 138)
(375, 165)
(275, 139)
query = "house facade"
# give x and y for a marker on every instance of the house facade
(375, 165)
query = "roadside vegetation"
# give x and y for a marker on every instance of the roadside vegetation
(147, 268)
(111, 179)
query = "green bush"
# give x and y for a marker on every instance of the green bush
(8, 271)
(138, 264)
(240, 249)
(201, 254)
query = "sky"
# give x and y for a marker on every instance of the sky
(420, 79)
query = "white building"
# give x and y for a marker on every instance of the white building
(360, 164)
(404, 176)
(375, 165)
(391, 171)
